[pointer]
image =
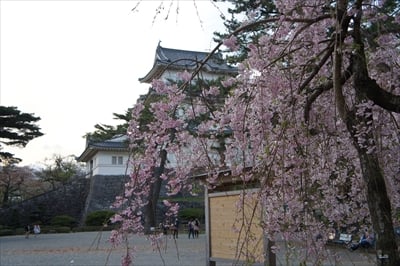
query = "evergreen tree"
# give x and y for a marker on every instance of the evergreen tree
(105, 132)
(16, 129)
(257, 10)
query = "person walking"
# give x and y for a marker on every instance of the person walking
(175, 228)
(27, 230)
(36, 229)
(191, 228)
(196, 227)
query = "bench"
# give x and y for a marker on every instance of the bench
(343, 239)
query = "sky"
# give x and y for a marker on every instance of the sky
(75, 63)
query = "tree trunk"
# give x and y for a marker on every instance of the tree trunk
(361, 123)
(379, 208)
(377, 197)
(150, 210)
(5, 198)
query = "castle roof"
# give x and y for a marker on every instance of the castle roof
(167, 58)
(118, 143)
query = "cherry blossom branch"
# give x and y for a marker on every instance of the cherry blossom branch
(316, 92)
(250, 26)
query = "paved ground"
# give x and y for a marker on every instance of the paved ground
(92, 249)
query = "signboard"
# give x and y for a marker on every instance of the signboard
(234, 227)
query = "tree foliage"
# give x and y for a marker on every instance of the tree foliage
(106, 132)
(17, 129)
(314, 121)
(12, 180)
(257, 9)
(59, 170)
(98, 218)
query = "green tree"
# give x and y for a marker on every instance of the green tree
(60, 170)
(16, 129)
(259, 9)
(105, 132)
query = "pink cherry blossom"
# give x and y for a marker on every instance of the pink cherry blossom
(284, 127)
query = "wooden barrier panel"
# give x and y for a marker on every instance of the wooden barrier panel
(235, 231)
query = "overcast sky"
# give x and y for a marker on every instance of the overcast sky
(74, 63)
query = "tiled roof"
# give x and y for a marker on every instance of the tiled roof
(92, 147)
(185, 60)
(109, 145)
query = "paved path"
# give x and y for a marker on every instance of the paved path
(92, 249)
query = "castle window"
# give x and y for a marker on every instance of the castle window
(117, 160)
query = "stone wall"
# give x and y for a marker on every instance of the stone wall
(102, 193)
(76, 199)
(69, 200)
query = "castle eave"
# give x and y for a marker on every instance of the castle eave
(91, 151)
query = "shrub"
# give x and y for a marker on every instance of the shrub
(188, 213)
(55, 229)
(98, 218)
(88, 228)
(7, 232)
(63, 220)
(95, 228)
(19, 231)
